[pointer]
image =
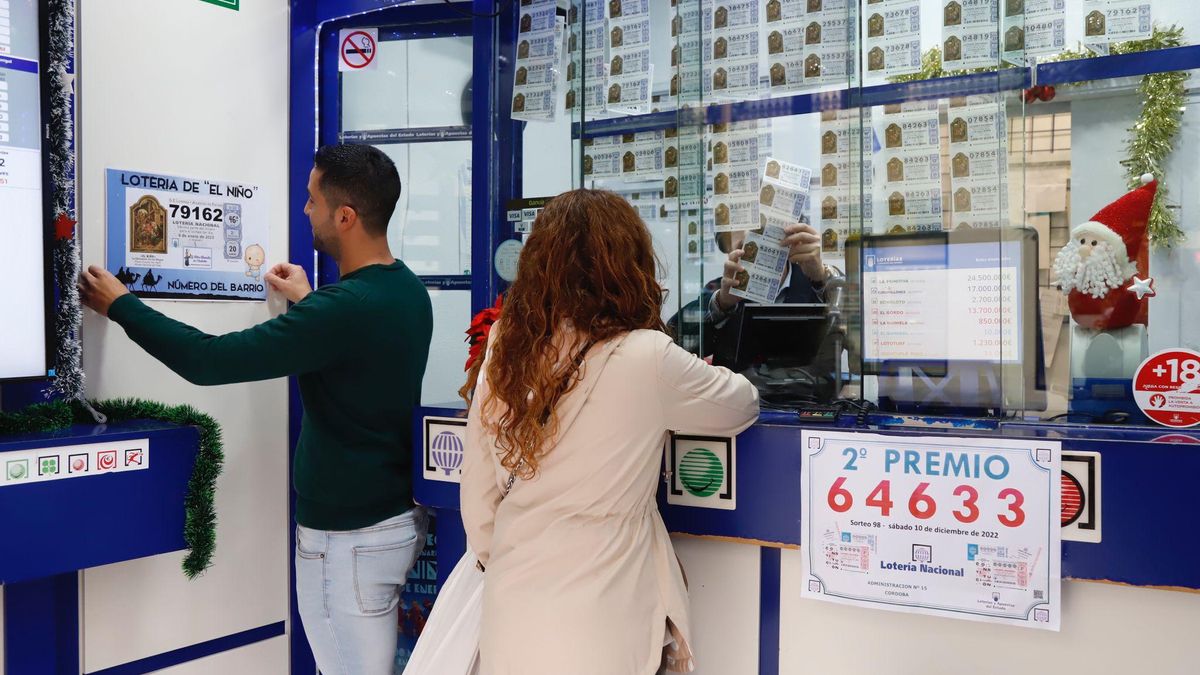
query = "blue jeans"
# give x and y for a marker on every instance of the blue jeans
(348, 590)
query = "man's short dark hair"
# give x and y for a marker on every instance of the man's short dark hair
(363, 178)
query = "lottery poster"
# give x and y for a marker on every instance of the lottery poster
(908, 170)
(1107, 21)
(587, 62)
(647, 204)
(970, 30)
(193, 238)
(892, 42)
(965, 528)
(536, 74)
(630, 75)
(978, 156)
(732, 59)
(735, 151)
(810, 53)
(626, 8)
(837, 200)
(602, 158)
(734, 212)
(642, 156)
(686, 150)
(630, 94)
(700, 240)
(1032, 28)
(629, 46)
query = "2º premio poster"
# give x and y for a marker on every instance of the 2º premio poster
(193, 238)
(964, 528)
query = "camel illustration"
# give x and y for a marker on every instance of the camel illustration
(127, 277)
(150, 281)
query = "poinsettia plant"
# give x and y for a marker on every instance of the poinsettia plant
(481, 327)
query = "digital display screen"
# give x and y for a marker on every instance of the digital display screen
(23, 270)
(942, 302)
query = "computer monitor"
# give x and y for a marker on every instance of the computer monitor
(949, 321)
(776, 336)
(786, 350)
(25, 244)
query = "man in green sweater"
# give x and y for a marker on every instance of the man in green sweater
(359, 349)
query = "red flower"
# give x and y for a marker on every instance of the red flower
(481, 327)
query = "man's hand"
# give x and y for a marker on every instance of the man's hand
(804, 249)
(98, 289)
(725, 300)
(289, 280)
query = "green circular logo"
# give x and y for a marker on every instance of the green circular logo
(701, 472)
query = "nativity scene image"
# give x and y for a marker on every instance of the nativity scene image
(147, 226)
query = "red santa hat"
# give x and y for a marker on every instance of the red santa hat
(1123, 222)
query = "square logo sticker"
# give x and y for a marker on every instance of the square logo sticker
(48, 465)
(16, 469)
(106, 460)
(1080, 516)
(922, 553)
(445, 447)
(78, 463)
(67, 462)
(702, 472)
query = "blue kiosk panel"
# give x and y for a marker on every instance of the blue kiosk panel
(101, 517)
(1146, 477)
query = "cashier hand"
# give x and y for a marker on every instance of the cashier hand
(805, 250)
(289, 280)
(98, 289)
(726, 300)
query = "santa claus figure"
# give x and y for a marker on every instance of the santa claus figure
(1104, 269)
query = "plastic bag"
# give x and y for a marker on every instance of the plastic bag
(449, 643)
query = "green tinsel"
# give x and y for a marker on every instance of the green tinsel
(200, 515)
(1153, 135)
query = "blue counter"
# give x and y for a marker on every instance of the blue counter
(74, 499)
(1146, 486)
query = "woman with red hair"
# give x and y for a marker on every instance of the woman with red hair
(577, 390)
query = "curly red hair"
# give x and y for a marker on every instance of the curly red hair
(589, 264)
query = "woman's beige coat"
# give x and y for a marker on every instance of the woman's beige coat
(581, 576)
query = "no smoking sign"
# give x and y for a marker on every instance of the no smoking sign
(358, 49)
(1167, 388)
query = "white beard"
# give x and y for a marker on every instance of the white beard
(1104, 270)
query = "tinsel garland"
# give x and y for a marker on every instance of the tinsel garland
(200, 515)
(1153, 135)
(69, 378)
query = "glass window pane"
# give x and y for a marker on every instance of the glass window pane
(448, 351)
(422, 83)
(418, 83)
(431, 228)
(975, 185)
